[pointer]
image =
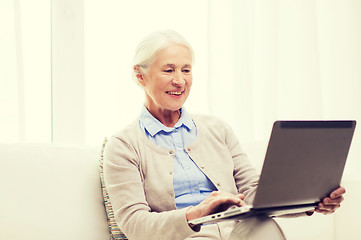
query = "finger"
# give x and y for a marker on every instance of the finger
(325, 212)
(326, 208)
(338, 192)
(241, 196)
(336, 201)
(222, 198)
(215, 202)
(229, 197)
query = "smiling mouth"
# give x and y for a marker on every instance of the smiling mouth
(175, 93)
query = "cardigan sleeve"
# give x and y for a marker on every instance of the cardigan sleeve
(244, 173)
(124, 182)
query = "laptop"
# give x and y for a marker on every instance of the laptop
(304, 163)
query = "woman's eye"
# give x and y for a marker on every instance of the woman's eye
(168, 70)
(186, 70)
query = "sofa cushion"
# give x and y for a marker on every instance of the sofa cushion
(116, 233)
(51, 191)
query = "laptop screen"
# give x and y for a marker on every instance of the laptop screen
(304, 162)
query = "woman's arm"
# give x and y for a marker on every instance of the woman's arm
(124, 181)
(244, 173)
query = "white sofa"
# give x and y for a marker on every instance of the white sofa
(52, 192)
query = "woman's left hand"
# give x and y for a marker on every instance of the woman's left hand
(331, 203)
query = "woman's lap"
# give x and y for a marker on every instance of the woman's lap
(247, 229)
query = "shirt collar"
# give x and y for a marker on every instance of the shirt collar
(153, 126)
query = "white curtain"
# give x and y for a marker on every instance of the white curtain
(277, 60)
(282, 59)
(256, 62)
(25, 71)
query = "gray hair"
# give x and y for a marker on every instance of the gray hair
(153, 43)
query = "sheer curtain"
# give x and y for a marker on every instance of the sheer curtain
(65, 65)
(300, 59)
(25, 71)
(277, 60)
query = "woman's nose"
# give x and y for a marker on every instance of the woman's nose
(178, 79)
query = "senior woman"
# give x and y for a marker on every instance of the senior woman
(170, 166)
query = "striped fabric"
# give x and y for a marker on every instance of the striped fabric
(115, 232)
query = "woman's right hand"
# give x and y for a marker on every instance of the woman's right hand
(216, 202)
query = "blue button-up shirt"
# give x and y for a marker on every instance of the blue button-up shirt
(191, 186)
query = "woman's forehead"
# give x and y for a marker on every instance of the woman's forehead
(173, 55)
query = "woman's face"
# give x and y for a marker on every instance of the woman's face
(168, 80)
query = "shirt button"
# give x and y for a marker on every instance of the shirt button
(202, 166)
(195, 187)
(188, 168)
(218, 184)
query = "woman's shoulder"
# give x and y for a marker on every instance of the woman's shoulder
(213, 129)
(209, 121)
(128, 133)
(125, 140)
(212, 126)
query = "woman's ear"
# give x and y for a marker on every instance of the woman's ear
(138, 74)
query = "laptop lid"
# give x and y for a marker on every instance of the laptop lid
(304, 162)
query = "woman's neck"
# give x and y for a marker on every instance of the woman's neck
(167, 117)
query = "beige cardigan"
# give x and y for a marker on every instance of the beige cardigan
(139, 177)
